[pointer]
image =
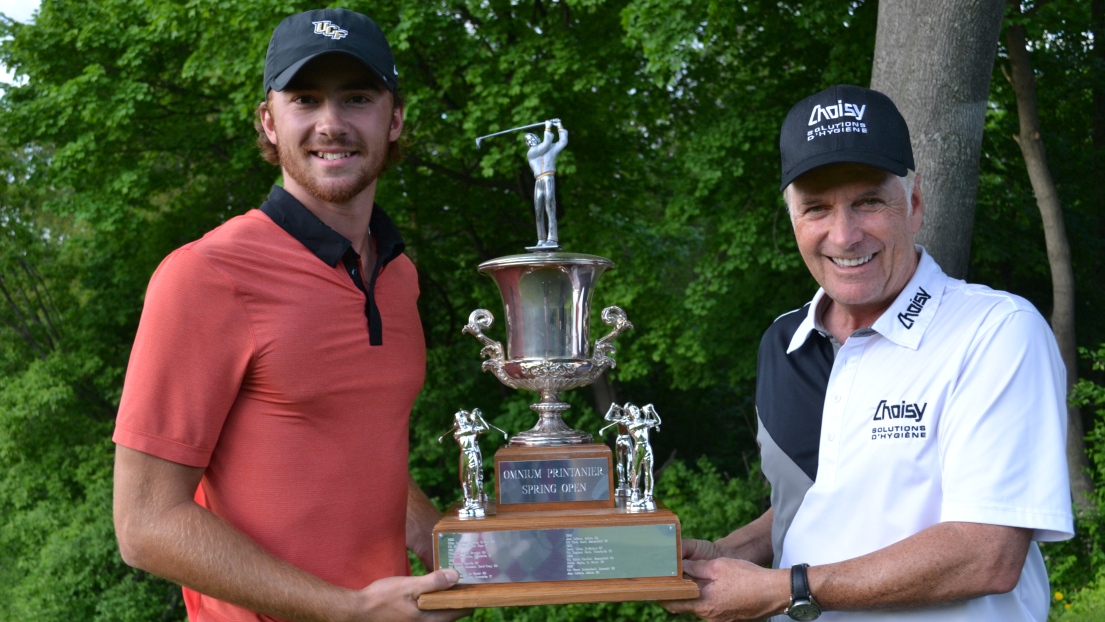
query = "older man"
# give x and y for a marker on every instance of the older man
(262, 433)
(911, 425)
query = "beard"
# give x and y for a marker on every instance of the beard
(296, 163)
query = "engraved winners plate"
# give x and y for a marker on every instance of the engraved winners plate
(560, 554)
(559, 530)
(558, 557)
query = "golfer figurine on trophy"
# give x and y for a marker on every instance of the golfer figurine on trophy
(542, 160)
(634, 453)
(467, 427)
(623, 448)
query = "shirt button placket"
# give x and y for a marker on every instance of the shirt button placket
(835, 404)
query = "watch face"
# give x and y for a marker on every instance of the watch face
(804, 610)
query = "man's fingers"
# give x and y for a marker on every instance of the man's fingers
(434, 582)
(698, 549)
(678, 606)
(446, 615)
(698, 569)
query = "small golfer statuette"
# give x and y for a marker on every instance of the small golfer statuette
(633, 424)
(623, 448)
(467, 427)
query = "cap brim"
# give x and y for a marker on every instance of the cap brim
(280, 82)
(876, 160)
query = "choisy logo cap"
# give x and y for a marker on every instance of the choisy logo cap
(305, 36)
(844, 123)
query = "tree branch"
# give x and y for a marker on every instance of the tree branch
(450, 308)
(21, 327)
(460, 176)
(43, 302)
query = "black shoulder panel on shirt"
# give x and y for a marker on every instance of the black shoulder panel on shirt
(790, 389)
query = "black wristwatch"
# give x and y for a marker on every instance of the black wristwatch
(802, 605)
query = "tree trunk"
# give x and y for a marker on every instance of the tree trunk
(935, 59)
(1058, 250)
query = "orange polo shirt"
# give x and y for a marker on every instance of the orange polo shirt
(253, 359)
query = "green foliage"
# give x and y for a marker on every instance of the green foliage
(1008, 250)
(1077, 566)
(711, 504)
(1089, 604)
(1088, 393)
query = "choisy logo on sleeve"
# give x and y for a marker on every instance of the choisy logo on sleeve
(835, 112)
(328, 29)
(888, 412)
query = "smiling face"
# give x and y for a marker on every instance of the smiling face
(855, 231)
(332, 125)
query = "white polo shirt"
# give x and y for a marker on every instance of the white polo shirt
(950, 408)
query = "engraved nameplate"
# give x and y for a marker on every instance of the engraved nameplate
(544, 481)
(525, 555)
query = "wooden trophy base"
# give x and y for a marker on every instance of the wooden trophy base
(557, 593)
(590, 555)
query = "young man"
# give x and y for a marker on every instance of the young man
(912, 426)
(262, 433)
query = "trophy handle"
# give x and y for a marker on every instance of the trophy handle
(478, 321)
(611, 316)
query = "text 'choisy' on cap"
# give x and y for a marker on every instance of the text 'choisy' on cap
(305, 36)
(844, 123)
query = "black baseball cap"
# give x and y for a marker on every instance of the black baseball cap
(844, 123)
(305, 36)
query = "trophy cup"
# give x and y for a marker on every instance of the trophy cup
(558, 531)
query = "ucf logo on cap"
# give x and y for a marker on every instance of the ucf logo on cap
(328, 29)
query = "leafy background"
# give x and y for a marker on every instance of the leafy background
(132, 133)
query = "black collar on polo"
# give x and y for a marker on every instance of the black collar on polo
(332, 247)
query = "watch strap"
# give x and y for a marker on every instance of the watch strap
(800, 582)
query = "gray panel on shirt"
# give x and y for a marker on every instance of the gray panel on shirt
(789, 484)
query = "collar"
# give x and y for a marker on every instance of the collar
(909, 316)
(327, 244)
(906, 319)
(331, 247)
(811, 323)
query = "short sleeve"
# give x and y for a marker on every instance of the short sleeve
(1003, 437)
(190, 354)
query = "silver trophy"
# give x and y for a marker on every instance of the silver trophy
(558, 530)
(547, 299)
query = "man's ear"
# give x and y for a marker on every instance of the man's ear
(918, 202)
(396, 124)
(267, 122)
